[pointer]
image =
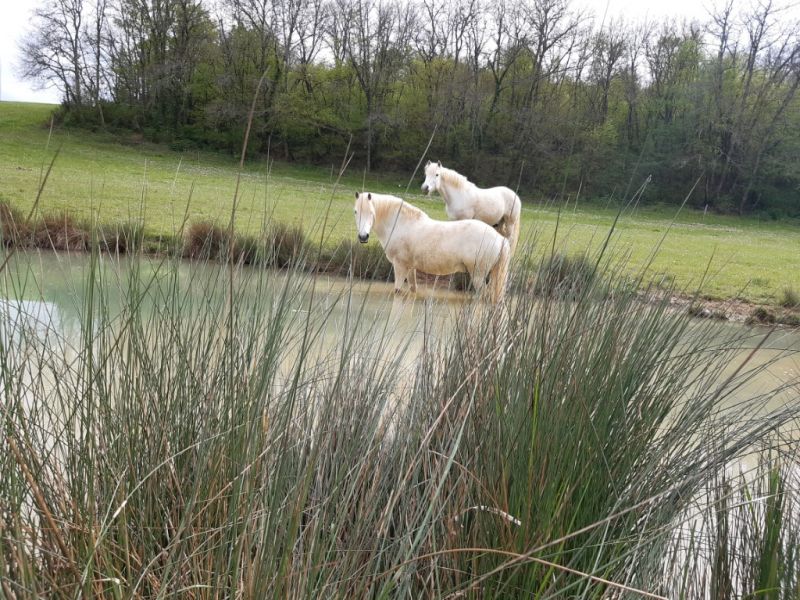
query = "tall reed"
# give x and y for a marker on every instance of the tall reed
(175, 438)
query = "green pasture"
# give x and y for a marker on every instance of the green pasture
(106, 178)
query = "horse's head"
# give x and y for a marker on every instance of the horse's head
(365, 215)
(432, 177)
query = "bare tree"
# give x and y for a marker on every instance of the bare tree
(721, 28)
(311, 26)
(507, 43)
(550, 23)
(97, 70)
(53, 53)
(609, 49)
(440, 43)
(377, 45)
(431, 41)
(748, 117)
(673, 57)
(775, 92)
(634, 46)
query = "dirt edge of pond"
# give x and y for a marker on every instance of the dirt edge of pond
(734, 310)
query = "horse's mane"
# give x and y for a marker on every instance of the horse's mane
(453, 178)
(386, 207)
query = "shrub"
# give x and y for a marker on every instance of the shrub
(362, 261)
(122, 238)
(282, 245)
(564, 275)
(206, 241)
(789, 320)
(13, 228)
(61, 231)
(247, 250)
(761, 315)
(703, 312)
(286, 245)
(790, 298)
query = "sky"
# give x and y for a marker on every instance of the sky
(15, 17)
(14, 22)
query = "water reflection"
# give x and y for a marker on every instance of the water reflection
(37, 317)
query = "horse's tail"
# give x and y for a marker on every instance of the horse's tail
(513, 222)
(499, 273)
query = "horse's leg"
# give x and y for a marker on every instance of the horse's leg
(502, 227)
(478, 277)
(412, 280)
(400, 273)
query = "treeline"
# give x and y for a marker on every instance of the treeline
(531, 92)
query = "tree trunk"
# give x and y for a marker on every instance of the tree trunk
(369, 141)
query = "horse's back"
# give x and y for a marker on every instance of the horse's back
(441, 246)
(495, 203)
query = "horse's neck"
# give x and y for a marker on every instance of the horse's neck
(392, 219)
(454, 195)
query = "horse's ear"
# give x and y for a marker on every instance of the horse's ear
(369, 196)
(427, 163)
(440, 163)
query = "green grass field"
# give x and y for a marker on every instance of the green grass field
(106, 178)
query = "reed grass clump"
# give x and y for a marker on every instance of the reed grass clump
(562, 275)
(121, 238)
(362, 261)
(61, 232)
(249, 250)
(221, 431)
(286, 245)
(13, 228)
(558, 274)
(205, 240)
(280, 245)
(790, 298)
(761, 315)
(741, 540)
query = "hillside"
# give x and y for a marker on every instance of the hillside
(107, 178)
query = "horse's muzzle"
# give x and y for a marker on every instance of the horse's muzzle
(424, 188)
(363, 238)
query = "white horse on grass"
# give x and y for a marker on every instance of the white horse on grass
(499, 207)
(413, 241)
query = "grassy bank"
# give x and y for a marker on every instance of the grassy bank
(113, 180)
(192, 438)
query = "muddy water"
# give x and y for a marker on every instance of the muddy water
(47, 293)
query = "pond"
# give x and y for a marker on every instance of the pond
(47, 293)
(61, 314)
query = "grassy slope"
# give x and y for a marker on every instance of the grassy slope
(97, 176)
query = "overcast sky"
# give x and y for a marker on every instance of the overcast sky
(15, 18)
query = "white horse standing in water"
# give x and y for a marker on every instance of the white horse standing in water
(498, 206)
(413, 241)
